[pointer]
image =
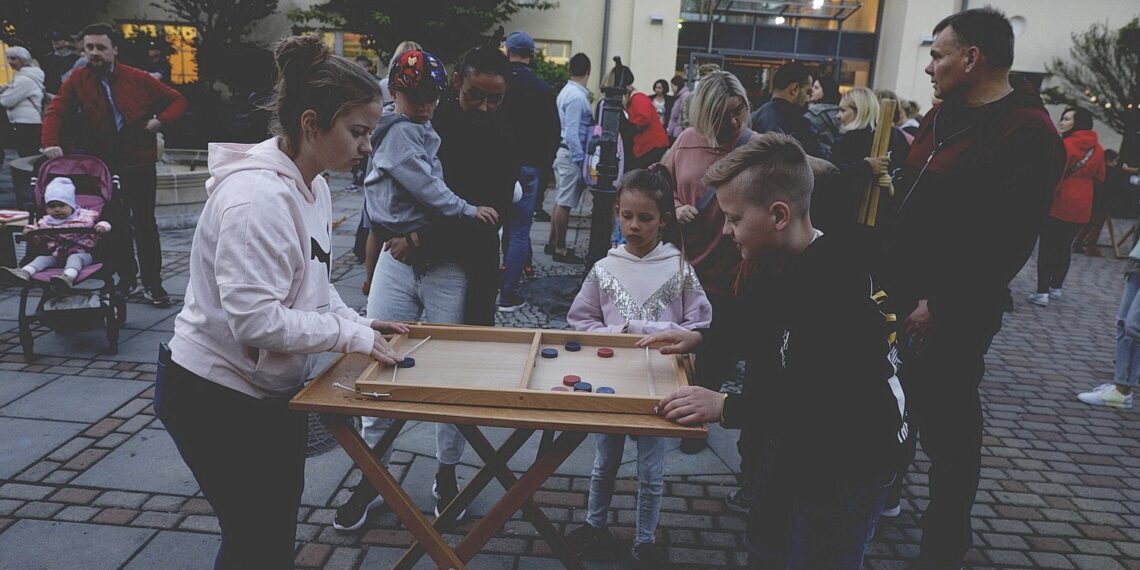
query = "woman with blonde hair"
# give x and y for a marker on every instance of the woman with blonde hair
(858, 118)
(719, 116)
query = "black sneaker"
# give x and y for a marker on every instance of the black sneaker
(648, 556)
(157, 296)
(568, 257)
(541, 216)
(528, 270)
(548, 249)
(739, 500)
(590, 540)
(354, 512)
(509, 302)
(444, 490)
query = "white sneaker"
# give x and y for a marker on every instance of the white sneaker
(1107, 395)
(1054, 293)
(892, 512)
(1039, 299)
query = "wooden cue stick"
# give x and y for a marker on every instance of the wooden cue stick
(405, 355)
(649, 374)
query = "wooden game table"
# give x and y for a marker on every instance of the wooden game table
(339, 405)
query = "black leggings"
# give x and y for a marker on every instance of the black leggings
(1053, 253)
(248, 456)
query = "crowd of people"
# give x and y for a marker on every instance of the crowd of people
(737, 240)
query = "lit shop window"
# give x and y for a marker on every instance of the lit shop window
(184, 56)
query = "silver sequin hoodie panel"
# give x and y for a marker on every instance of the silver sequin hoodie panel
(641, 295)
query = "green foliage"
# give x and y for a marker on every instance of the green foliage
(446, 28)
(28, 22)
(223, 53)
(554, 74)
(1103, 75)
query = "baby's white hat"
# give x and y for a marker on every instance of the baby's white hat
(61, 190)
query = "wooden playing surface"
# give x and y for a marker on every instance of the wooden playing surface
(503, 368)
(321, 395)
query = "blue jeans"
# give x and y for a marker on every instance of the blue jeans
(434, 293)
(1128, 334)
(650, 476)
(802, 521)
(518, 230)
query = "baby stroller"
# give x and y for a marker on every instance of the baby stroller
(80, 308)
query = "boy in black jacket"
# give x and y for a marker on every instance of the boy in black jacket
(823, 415)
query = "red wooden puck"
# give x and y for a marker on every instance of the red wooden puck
(571, 379)
(606, 352)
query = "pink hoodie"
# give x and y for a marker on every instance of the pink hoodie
(651, 294)
(259, 307)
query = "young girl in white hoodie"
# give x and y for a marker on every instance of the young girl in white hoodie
(259, 307)
(641, 287)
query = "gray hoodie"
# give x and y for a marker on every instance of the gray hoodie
(404, 188)
(259, 307)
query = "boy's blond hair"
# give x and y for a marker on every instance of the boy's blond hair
(771, 167)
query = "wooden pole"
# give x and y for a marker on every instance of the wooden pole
(880, 145)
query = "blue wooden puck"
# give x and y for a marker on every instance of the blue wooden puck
(583, 387)
(606, 390)
(550, 353)
(407, 362)
(573, 346)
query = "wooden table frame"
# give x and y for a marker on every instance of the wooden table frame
(338, 406)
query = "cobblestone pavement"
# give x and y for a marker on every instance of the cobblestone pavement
(88, 479)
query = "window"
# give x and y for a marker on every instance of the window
(184, 59)
(555, 51)
(347, 44)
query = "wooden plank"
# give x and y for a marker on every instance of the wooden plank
(548, 460)
(880, 144)
(528, 368)
(398, 501)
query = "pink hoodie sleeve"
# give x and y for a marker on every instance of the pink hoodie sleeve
(586, 313)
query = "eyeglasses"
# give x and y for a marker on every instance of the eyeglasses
(477, 96)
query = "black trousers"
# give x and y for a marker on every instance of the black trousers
(1054, 251)
(138, 189)
(942, 382)
(27, 138)
(248, 456)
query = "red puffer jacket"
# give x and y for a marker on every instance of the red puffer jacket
(1073, 198)
(81, 110)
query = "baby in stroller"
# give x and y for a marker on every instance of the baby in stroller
(72, 251)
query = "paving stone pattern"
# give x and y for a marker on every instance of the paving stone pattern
(89, 479)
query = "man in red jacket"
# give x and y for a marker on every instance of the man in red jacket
(113, 111)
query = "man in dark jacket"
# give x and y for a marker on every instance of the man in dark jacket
(975, 188)
(114, 111)
(531, 110)
(58, 62)
(816, 324)
(784, 113)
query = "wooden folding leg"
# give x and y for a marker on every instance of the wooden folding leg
(550, 456)
(531, 510)
(496, 459)
(401, 504)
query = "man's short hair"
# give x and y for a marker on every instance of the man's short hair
(789, 73)
(773, 167)
(579, 65)
(101, 30)
(986, 28)
(484, 59)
